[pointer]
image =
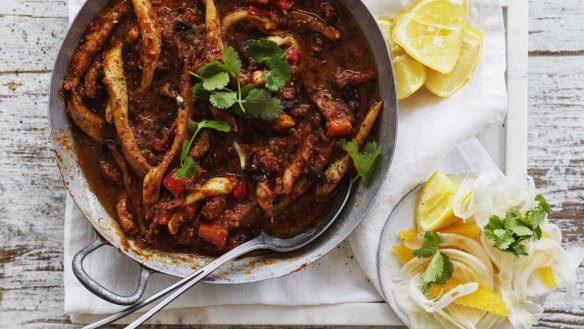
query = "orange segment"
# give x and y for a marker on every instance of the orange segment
(470, 230)
(483, 299)
(403, 253)
(547, 276)
(409, 234)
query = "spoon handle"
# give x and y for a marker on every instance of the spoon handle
(179, 287)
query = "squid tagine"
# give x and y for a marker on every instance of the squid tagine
(201, 123)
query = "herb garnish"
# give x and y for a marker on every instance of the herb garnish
(440, 268)
(509, 233)
(188, 166)
(247, 100)
(364, 161)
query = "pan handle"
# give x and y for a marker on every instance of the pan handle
(97, 288)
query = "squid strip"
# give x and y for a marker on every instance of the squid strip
(129, 186)
(201, 145)
(298, 166)
(215, 186)
(151, 40)
(304, 184)
(115, 83)
(338, 168)
(125, 218)
(98, 32)
(92, 77)
(263, 24)
(301, 19)
(153, 179)
(213, 38)
(90, 123)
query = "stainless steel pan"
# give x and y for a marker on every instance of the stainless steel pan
(249, 269)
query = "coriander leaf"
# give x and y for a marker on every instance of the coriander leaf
(534, 217)
(431, 243)
(514, 224)
(521, 230)
(269, 53)
(187, 169)
(217, 81)
(260, 104)
(245, 90)
(221, 126)
(494, 223)
(231, 60)
(210, 69)
(223, 99)
(434, 269)
(439, 270)
(364, 161)
(537, 233)
(188, 166)
(199, 92)
(543, 204)
(503, 238)
(518, 249)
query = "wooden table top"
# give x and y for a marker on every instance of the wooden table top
(33, 197)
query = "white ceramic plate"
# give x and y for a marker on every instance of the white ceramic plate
(401, 218)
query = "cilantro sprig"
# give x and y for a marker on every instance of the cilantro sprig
(364, 161)
(247, 100)
(508, 233)
(440, 268)
(188, 166)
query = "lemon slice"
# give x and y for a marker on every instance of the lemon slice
(409, 74)
(483, 298)
(431, 31)
(434, 208)
(403, 253)
(444, 85)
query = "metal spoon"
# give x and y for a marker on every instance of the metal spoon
(263, 241)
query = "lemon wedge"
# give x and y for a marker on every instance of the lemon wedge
(434, 208)
(431, 32)
(444, 85)
(483, 298)
(409, 74)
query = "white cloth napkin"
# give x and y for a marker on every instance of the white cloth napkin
(429, 129)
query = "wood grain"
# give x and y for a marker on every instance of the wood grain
(32, 206)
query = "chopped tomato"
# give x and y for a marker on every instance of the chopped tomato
(293, 55)
(285, 5)
(240, 191)
(176, 185)
(214, 233)
(253, 10)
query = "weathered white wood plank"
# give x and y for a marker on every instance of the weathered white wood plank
(34, 8)
(555, 27)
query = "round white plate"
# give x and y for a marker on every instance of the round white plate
(388, 266)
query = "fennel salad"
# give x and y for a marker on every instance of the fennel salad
(483, 254)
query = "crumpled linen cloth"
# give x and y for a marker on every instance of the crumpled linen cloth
(430, 130)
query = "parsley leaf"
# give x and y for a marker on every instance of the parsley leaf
(188, 166)
(364, 161)
(269, 53)
(431, 243)
(509, 233)
(260, 104)
(440, 268)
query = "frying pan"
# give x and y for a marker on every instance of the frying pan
(247, 269)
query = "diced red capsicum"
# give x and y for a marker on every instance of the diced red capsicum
(285, 5)
(240, 191)
(176, 185)
(293, 55)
